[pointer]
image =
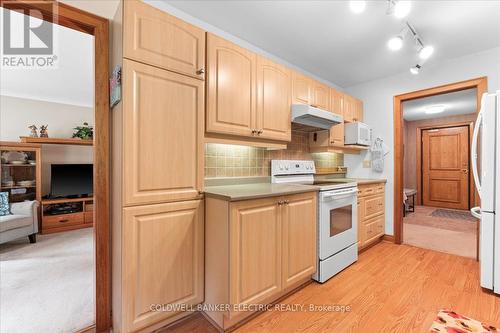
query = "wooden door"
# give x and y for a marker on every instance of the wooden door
(162, 260)
(157, 38)
(445, 167)
(320, 96)
(301, 89)
(231, 99)
(299, 238)
(255, 247)
(336, 102)
(274, 100)
(163, 135)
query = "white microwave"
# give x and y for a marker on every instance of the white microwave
(357, 134)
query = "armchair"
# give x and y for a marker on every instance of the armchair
(21, 223)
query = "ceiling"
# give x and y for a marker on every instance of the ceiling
(72, 82)
(456, 103)
(328, 40)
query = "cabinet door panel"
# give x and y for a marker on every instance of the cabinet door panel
(231, 100)
(157, 38)
(336, 102)
(255, 247)
(361, 223)
(374, 206)
(301, 89)
(337, 135)
(321, 96)
(274, 84)
(162, 260)
(348, 108)
(299, 238)
(163, 126)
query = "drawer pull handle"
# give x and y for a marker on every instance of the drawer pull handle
(63, 221)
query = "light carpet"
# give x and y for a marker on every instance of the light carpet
(48, 286)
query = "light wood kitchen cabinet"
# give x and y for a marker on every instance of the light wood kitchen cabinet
(162, 118)
(162, 261)
(154, 37)
(320, 96)
(274, 100)
(371, 213)
(255, 247)
(301, 89)
(299, 239)
(353, 109)
(231, 94)
(336, 102)
(257, 250)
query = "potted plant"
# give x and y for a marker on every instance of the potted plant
(85, 132)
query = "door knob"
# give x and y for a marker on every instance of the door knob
(465, 170)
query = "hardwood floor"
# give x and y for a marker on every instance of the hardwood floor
(392, 288)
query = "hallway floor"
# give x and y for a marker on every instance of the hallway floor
(448, 235)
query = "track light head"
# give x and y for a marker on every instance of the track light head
(415, 69)
(402, 9)
(425, 52)
(395, 43)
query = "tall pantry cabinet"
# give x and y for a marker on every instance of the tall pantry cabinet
(158, 210)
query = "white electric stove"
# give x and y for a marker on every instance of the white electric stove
(337, 215)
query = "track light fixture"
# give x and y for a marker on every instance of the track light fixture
(401, 9)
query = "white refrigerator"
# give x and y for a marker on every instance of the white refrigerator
(487, 179)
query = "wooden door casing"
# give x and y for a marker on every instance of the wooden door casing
(255, 247)
(157, 38)
(445, 167)
(231, 93)
(162, 119)
(162, 260)
(274, 99)
(299, 238)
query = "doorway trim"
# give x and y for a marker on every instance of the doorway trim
(480, 84)
(471, 186)
(77, 19)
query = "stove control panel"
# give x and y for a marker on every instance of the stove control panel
(292, 167)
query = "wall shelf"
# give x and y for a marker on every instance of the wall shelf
(57, 141)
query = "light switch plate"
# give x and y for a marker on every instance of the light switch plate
(367, 164)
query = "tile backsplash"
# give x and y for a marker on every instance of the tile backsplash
(241, 161)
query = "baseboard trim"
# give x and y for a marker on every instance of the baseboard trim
(389, 238)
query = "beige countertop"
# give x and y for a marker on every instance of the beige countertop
(255, 191)
(366, 181)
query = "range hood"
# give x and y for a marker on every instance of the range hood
(312, 119)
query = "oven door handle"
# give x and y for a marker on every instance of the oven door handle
(341, 195)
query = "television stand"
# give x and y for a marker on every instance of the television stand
(65, 214)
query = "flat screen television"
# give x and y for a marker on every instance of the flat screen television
(71, 180)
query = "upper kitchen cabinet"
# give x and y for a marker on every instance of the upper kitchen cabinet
(162, 117)
(231, 94)
(320, 96)
(336, 102)
(274, 99)
(353, 109)
(156, 38)
(301, 89)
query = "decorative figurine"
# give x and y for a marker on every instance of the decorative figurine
(43, 131)
(33, 133)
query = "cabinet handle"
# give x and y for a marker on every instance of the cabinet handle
(200, 192)
(200, 71)
(254, 131)
(259, 132)
(280, 203)
(63, 221)
(286, 202)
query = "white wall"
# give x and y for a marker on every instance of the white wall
(378, 104)
(16, 114)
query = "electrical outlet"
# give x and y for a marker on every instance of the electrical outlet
(367, 164)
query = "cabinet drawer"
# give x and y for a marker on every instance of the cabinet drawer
(373, 206)
(380, 188)
(365, 190)
(373, 229)
(54, 221)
